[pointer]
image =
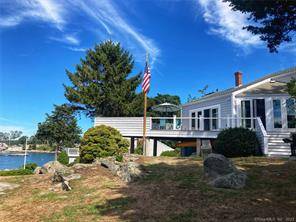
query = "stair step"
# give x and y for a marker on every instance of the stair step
(278, 144)
(279, 149)
(279, 153)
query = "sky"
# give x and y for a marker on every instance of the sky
(191, 43)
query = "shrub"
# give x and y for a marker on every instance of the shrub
(170, 153)
(237, 142)
(31, 166)
(16, 172)
(102, 141)
(139, 150)
(119, 158)
(63, 158)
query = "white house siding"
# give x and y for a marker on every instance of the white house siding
(224, 112)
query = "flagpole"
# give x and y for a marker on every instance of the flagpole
(144, 124)
(145, 117)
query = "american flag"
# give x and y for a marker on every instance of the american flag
(146, 79)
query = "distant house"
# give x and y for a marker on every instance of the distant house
(262, 105)
(3, 146)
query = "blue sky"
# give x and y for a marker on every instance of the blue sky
(192, 43)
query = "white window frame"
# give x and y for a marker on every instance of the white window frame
(218, 106)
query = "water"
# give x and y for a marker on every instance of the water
(9, 161)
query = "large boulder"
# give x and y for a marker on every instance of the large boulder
(40, 170)
(221, 173)
(236, 180)
(217, 165)
(126, 170)
(54, 166)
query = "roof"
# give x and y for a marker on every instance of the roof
(234, 89)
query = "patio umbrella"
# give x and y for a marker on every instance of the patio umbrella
(166, 108)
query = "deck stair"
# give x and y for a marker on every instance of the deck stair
(276, 146)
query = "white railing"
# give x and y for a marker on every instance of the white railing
(72, 152)
(200, 123)
(261, 135)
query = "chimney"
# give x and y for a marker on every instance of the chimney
(238, 79)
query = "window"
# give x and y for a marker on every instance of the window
(199, 114)
(193, 119)
(246, 113)
(207, 119)
(214, 119)
(291, 113)
(277, 114)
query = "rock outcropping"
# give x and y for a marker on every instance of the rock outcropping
(127, 170)
(221, 173)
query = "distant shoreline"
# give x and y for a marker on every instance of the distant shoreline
(23, 151)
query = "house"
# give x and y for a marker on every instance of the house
(262, 105)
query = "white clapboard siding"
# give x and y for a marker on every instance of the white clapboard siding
(133, 127)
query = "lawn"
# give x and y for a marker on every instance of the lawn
(171, 190)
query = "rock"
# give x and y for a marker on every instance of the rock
(7, 186)
(126, 170)
(216, 165)
(79, 166)
(111, 164)
(40, 170)
(57, 177)
(53, 166)
(221, 173)
(236, 180)
(66, 186)
(72, 177)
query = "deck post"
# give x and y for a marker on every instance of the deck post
(154, 147)
(132, 150)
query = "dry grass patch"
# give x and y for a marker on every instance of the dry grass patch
(172, 189)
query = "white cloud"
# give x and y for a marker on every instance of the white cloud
(227, 24)
(77, 49)
(68, 39)
(103, 13)
(18, 11)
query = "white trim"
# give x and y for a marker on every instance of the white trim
(218, 106)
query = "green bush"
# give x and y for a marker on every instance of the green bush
(45, 147)
(31, 166)
(237, 142)
(102, 141)
(139, 149)
(16, 172)
(171, 153)
(63, 158)
(119, 158)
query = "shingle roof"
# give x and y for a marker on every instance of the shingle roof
(233, 89)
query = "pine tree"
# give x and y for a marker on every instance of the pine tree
(101, 83)
(59, 128)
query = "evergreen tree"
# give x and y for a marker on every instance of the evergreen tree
(60, 128)
(273, 20)
(292, 88)
(101, 84)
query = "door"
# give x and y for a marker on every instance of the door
(259, 110)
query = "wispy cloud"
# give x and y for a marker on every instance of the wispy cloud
(77, 49)
(104, 15)
(227, 24)
(68, 39)
(15, 12)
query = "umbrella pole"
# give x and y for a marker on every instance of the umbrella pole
(144, 124)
